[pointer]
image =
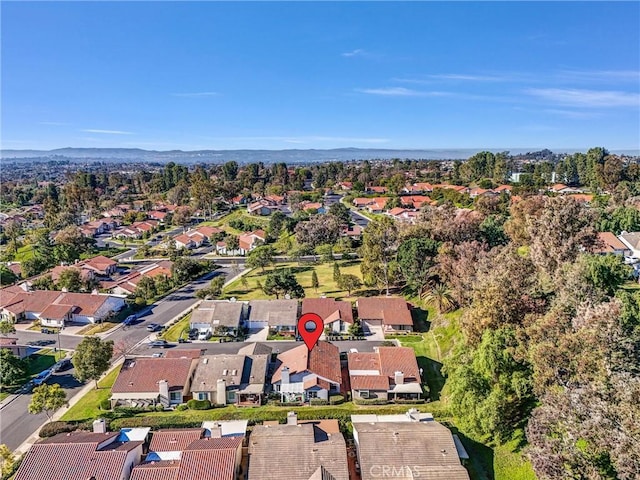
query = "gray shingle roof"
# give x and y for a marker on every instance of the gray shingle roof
(238, 370)
(218, 313)
(291, 452)
(424, 447)
(275, 312)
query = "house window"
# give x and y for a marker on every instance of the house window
(364, 393)
(333, 388)
(312, 394)
(231, 397)
(203, 396)
(175, 396)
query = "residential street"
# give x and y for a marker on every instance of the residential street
(16, 425)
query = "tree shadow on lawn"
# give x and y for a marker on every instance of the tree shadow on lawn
(481, 457)
(420, 319)
(432, 374)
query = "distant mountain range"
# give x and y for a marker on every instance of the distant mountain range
(292, 156)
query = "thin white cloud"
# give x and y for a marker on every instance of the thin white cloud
(401, 92)
(600, 75)
(586, 98)
(353, 53)
(471, 78)
(196, 94)
(571, 113)
(106, 132)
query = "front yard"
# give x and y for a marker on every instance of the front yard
(89, 406)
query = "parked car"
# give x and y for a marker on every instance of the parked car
(152, 327)
(159, 344)
(193, 334)
(62, 365)
(41, 377)
(40, 343)
(130, 320)
(157, 355)
(204, 335)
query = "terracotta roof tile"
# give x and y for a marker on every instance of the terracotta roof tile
(369, 382)
(391, 310)
(174, 440)
(143, 374)
(327, 307)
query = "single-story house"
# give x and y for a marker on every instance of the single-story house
(389, 373)
(81, 455)
(319, 447)
(278, 315)
(100, 265)
(335, 315)
(220, 317)
(632, 241)
(145, 380)
(609, 243)
(391, 313)
(193, 458)
(20, 351)
(411, 445)
(301, 374)
(185, 241)
(231, 379)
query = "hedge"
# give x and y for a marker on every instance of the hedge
(53, 428)
(336, 399)
(318, 401)
(371, 401)
(401, 401)
(194, 404)
(182, 407)
(105, 404)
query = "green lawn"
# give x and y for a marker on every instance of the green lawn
(42, 360)
(173, 333)
(25, 252)
(88, 406)
(239, 213)
(3, 395)
(303, 273)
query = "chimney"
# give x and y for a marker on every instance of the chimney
(221, 392)
(216, 430)
(292, 418)
(99, 426)
(163, 389)
(285, 376)
(399, 378)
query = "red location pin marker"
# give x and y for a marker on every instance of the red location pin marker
(310, 327)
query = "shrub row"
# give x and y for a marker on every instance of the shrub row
(336, 399)
(408, 402)
(194, 404)
(53, 428)
(371, 401)
(318, 401)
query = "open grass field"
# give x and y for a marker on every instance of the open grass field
(26, 252)
(303, 274)
(173, 333)
(88, 406)
(237, 214)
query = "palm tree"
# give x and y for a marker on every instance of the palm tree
(439, 296)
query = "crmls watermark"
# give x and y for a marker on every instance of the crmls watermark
(395, 471)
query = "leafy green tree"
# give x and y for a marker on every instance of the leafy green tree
(349, 282)
(7, 277)
(416, 257)
(261, 257)
(490, 391)
(92, 358)
(44, 282)
(341, 212)
(355, 328)
(7, 460)
(276, 224)
(185, 269)
(325, 251)
(6, 328)
(379, 246)
(71, 279)
(315, 283)
(336, 272)
(606, 272)
(319, 230)
(283, 282)
(439, 296)
(244, 282)
(47, 398)
(12, 368)
(146, 288)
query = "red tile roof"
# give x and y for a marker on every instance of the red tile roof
(76, 458)
(328, 309)
(99, 262)
(213, 443)
(369, 382)
(87, 303)
(218, 464)
(324, 360)
(160, 470)
(56, 312)
(609, 243)
(399, 359)
(391, 310)
(143, 374)
(174, 440)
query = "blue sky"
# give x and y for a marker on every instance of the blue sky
(200, 75)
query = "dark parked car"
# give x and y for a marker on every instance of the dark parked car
(130, 320)
(62, 365)
(40, 343)
(159, 344)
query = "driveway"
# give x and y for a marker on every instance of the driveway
(376, 333)
(258, 335)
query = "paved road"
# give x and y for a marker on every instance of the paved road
(214, 348)
(17, 425)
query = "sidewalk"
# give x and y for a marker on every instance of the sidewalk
(26, 445)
